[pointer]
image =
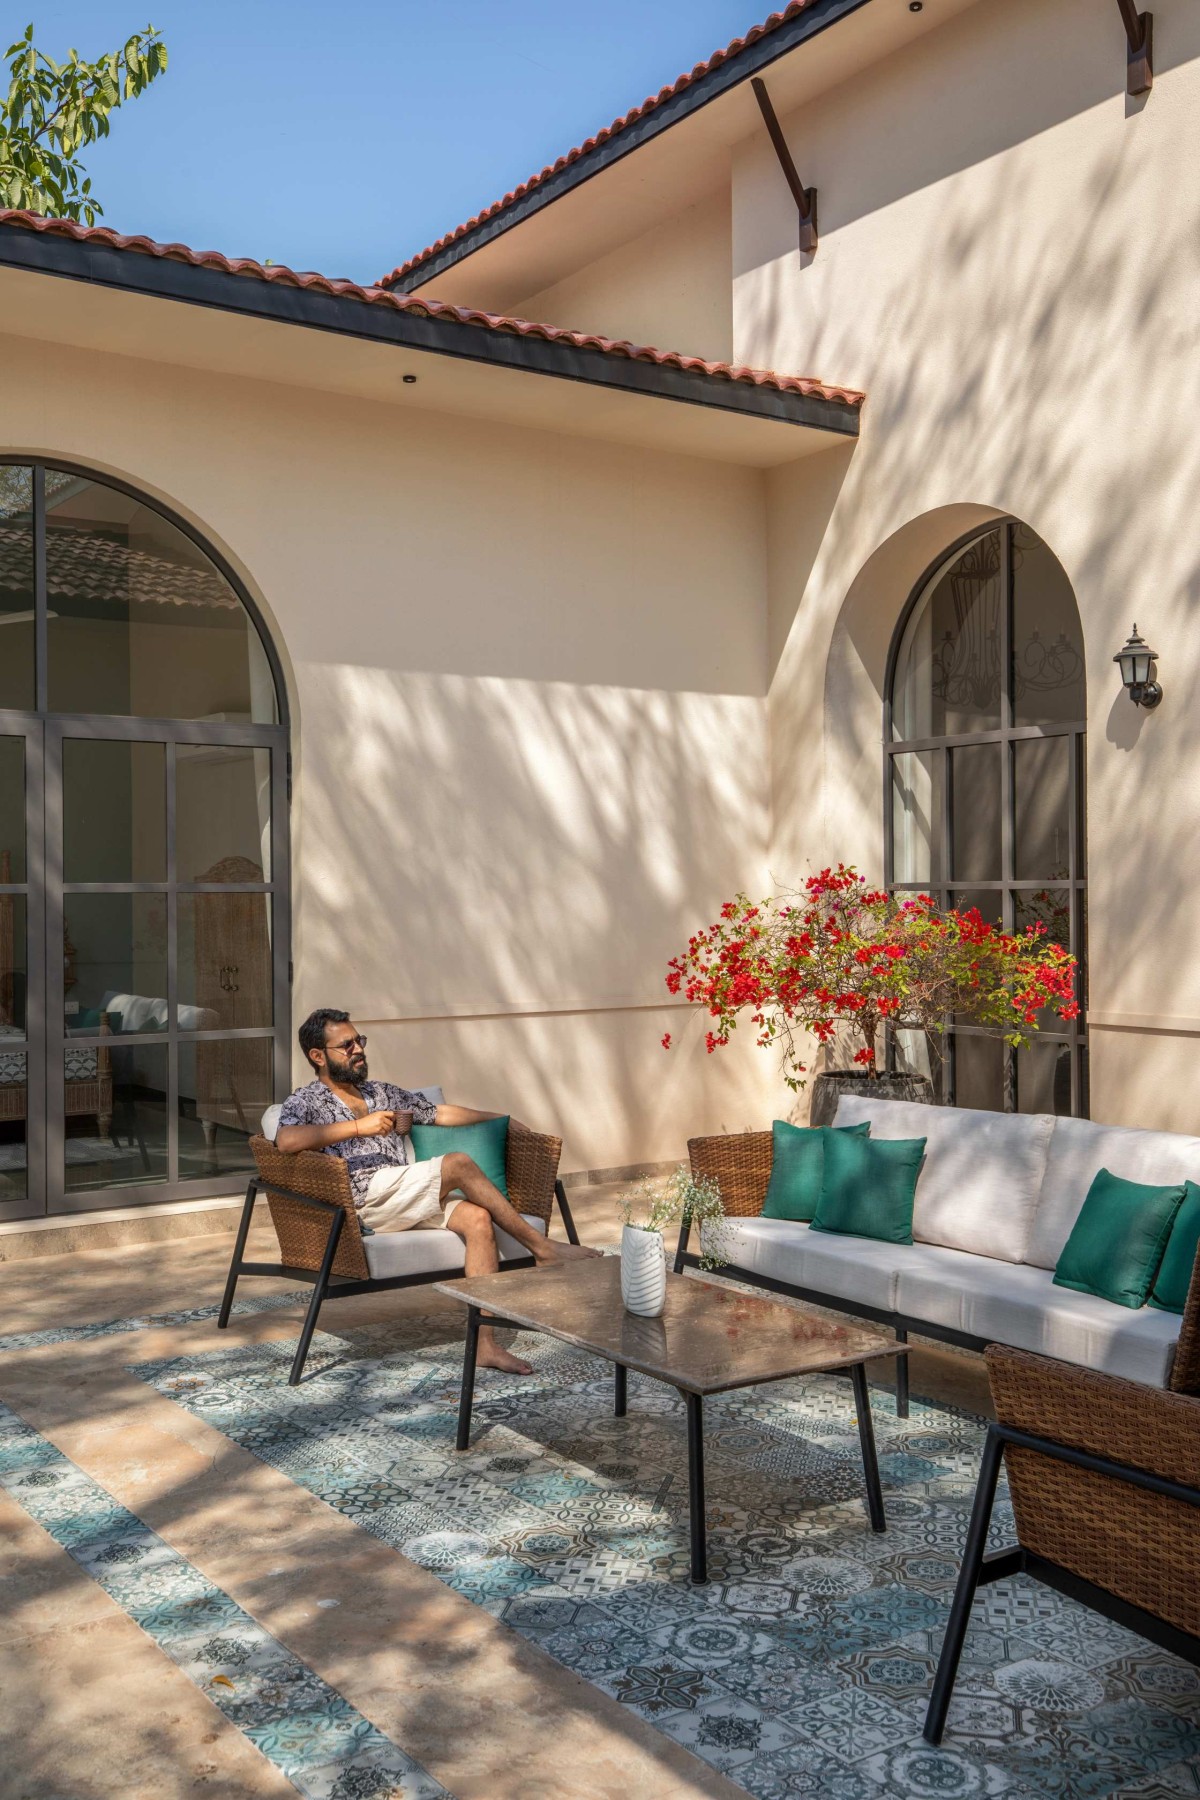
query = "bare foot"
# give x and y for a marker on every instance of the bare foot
(491, 1356)
(552, 1253)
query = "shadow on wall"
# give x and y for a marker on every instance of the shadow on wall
(1027, 371)
(482, 845)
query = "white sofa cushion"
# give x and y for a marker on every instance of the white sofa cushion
(850, 1268)
(1019, 1304)
(1024, 1308)
(979, 1184)
(426, 1252)
(270, 1119)
(1079, 1149)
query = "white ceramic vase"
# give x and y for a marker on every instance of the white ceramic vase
(643, 1271)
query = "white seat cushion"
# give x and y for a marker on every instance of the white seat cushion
(979, 1184)
(1079, 1149)
(425, 1252)
(1000, 1302)
(860, 1270)
(1027, 1310)
(270, 1119)
(932, 1283)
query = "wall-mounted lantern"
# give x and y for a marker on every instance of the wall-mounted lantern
(1137, 662)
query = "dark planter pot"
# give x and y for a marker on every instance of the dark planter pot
(826, 1089)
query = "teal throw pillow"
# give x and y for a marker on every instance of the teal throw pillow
(797, 1159)
(485, 1142)
(1117, 1243)
(1174, 1278)
(868, 1186)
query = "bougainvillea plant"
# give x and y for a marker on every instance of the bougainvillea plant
(840, 956)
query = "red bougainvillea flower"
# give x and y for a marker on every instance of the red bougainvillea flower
(837, 955)
(666, 1040)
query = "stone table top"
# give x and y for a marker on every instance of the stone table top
(711, 1337)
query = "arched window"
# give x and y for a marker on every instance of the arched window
(984, 799)
(143, 853)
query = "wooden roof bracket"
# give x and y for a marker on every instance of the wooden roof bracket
(1139, 35)
(805, 197)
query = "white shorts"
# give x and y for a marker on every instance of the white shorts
(407, 1199)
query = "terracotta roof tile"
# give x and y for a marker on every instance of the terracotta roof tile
(602, 137)
(425, 308)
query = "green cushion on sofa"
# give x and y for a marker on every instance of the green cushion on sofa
(1174, 1278)
(868, 1186)
(1117, 1242)
(797, 1159)
(485, 1142)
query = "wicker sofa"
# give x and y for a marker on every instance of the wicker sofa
(321, 1240)
(996, 1200)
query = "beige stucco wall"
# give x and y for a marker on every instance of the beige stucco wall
(1009, 266)
(527, 680)
(670, 287)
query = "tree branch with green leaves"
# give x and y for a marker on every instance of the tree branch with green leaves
(54, 110)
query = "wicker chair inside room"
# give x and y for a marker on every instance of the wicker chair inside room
(1104, 1476)
(320, 1239)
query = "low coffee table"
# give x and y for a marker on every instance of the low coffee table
(710, 1339)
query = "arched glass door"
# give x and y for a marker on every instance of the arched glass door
(984, 787)
(144, 907)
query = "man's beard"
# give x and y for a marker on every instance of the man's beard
(354, 1074)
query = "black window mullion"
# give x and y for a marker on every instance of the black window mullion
(1008, 823)
(41, 630)
(172, 979)
(1077, 902)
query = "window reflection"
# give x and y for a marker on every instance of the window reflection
(224, 1089)
(16, 587)
(222, 813)
(1047, 647)
(116, 1116)
(114, 811)
(141, 621)
(948, 670)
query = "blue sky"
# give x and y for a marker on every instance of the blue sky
(344, 137)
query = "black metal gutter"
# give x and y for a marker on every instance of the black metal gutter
(728, 74)
(134, 272)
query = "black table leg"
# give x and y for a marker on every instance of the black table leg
(866, 1437)
(468, 1380)
(620, 1390)
(695, 1425)
(902, 1379)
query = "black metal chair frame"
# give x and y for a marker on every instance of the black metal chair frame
(324, 1284)
(981, 1567)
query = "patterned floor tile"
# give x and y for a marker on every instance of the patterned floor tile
(309, 1731)
(919, 1772)
(850, 1725)
(804, 1666)
(729, 1734)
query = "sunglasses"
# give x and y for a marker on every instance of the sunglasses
(348, 1044)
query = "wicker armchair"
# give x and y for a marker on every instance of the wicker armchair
(1105, 1482)
(320, 1238)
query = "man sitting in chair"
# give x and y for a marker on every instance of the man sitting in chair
(367, 1123)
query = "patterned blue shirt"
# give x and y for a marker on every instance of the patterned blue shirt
(317, 1104)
